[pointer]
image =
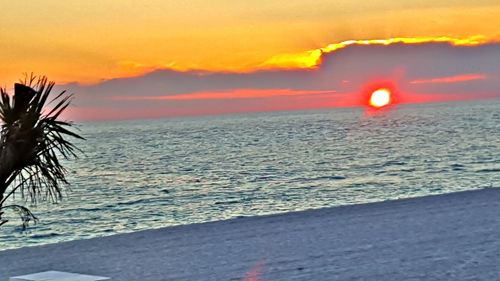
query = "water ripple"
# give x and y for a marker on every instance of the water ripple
(153, 173)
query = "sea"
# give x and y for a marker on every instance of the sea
(144, 174)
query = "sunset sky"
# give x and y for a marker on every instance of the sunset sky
(138, 59)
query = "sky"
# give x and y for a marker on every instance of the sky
(140, 59)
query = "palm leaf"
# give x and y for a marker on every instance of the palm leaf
(32, 142)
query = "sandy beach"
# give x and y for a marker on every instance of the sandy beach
(444, 237)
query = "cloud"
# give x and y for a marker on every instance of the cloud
(312, 58)
(418, 71)
(228, 94)
(450, 79)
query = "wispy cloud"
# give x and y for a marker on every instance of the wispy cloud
(229, 94)
(450, 79)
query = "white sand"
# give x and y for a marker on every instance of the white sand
(446, 237)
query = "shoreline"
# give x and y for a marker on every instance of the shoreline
(446, 237)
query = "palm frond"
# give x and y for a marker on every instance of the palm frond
(32, 141)
(24, 213)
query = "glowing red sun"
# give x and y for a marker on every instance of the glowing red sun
(380, 98)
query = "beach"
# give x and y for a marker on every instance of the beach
(444, 237)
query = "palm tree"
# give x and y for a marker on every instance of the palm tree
(32, 141)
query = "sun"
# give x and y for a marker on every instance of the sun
(380, 98)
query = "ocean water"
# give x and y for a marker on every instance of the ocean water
(146, 174)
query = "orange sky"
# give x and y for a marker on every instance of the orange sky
(88, 41)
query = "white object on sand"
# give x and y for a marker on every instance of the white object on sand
(57, 276)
